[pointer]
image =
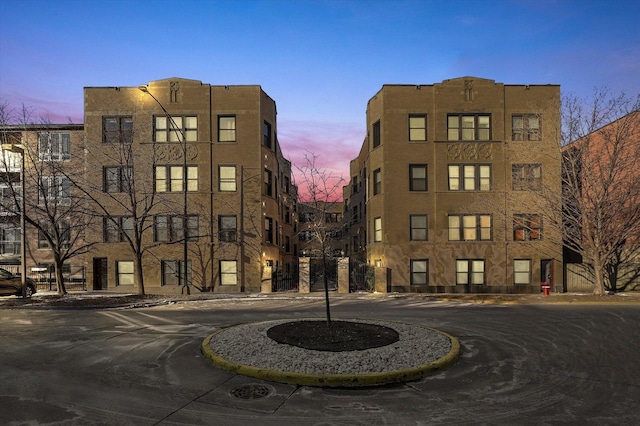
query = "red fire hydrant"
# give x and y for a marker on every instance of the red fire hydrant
(545, 288)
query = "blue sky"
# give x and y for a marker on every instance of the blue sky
(321, 61)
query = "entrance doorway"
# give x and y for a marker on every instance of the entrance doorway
(546, 271)
(100, 273)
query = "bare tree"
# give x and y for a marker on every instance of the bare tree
(121, 193)
(52, 208)
(320, 190)
(600, 218)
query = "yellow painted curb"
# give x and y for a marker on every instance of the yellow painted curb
(336, 380)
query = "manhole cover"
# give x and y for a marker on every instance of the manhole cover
(251, 392)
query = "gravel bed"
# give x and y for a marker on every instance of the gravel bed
(248, 344)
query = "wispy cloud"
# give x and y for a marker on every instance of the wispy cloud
(333, 144)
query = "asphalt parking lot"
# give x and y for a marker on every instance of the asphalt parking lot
(531, 363)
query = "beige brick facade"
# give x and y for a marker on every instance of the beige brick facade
(239, 184)
(443, 191)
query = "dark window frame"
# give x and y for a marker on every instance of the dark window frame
(414, 181)
(413, 273)
(226, 135)
(461, 130)
(121, 133)
(376, 134)
(412, 128)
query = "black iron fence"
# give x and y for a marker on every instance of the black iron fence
(361, 276)
(45, 278)
(318, 269)
(285, 278)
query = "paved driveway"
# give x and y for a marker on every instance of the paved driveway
(520, 364)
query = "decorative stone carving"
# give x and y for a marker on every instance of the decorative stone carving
(171, 153)
(470, 151)
(174, 87)
(468, 90)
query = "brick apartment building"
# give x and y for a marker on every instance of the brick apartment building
(239, 195)
(441, 193)
(52, 153)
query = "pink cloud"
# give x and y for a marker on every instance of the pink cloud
(333, 144)
(57, 112)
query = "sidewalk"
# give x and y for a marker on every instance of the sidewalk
(97, 299)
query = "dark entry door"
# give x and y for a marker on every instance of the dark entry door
(99, 273)
(546, 271)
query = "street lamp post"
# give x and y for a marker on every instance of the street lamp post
(183, 140)
(23, 223)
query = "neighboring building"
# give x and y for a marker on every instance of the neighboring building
(52, 153)
(320, 225)
(601, 189)
(241, 202)
(445, 190)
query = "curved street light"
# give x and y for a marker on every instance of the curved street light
(183, 142)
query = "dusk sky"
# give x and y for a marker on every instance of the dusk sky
(321, 61)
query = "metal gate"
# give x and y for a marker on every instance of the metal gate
(317, 273)
(361, 276)
(285, 278)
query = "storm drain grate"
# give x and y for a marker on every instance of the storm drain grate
(251, 392)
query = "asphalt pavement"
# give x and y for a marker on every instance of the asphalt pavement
(519, 364)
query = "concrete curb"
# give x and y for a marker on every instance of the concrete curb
(336, 380)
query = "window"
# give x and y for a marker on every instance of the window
(54, 146)
(377, 182)
(526, 177)
(354, 185)
(377, 229)
(419, 272)
(469, 272)
(171, 179)
(469, 177)
(470, 227)
(525, 127)
(175, 128)
(468, 127)
(355, 217)
(10, 238)
(117, 129)
(287, 184)
(417, 177)
(117, 179)
(527, 227)
(418, 227)
(522, 271)
(268, 230)
(228, 272)
(287, 214)
(9, 190)
(54, 190)
(227, 178)
(376, 134)
(417, 128)
(266, 134)
(63, 227)
(117, 228)
(226, 128)
(268, 182)
(171, 228)
(173, 272)
(227, 228)
(124, 272)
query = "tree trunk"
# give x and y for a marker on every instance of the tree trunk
(598, 272)
(59, 277)
(326, 287)
(138, 277)
(62, 290)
